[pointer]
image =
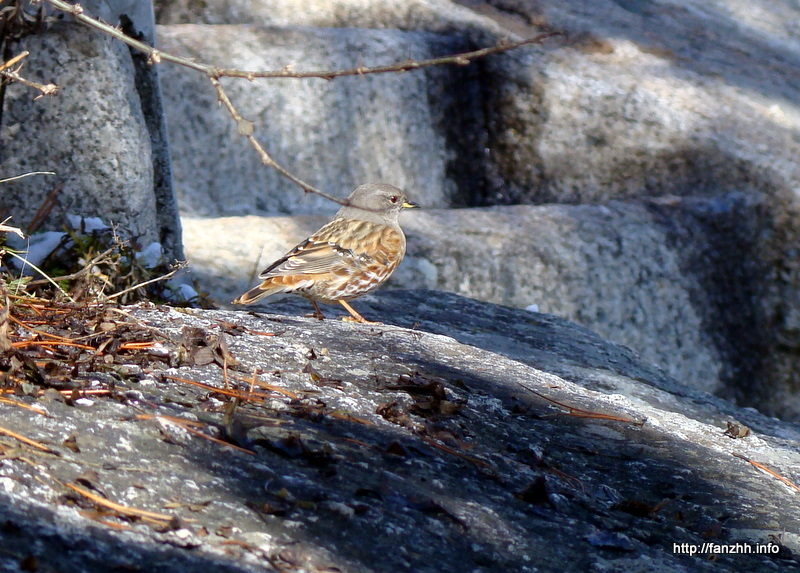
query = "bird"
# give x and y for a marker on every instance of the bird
(347, 258)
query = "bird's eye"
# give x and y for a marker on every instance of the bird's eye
(394, 198)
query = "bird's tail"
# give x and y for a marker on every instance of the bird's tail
(257, 293)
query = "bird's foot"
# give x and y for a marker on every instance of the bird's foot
(354, 316)
(317, 311)
(356, 320)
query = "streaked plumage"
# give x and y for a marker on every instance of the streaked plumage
(347, 258)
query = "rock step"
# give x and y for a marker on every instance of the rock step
(653, 275)
(357, 459)
(420, 131)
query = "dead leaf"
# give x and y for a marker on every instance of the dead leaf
(71, 443)
(736, 430)
(200, 347)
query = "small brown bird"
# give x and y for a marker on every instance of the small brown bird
(347, 258)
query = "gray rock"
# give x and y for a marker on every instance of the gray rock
(685, 282)
(696, 99)
(643, 98)
(657, 99)
(439, 16)
(574, 124)
(621, 270)
(453, 438)
(102, 160)
(420, 131)
(682, 106)
(105, 142)
(139, 13)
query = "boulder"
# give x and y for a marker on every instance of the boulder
(626, 105)
(647, 103)
(103, 135)
(690, 274)
(459, 435)
(418, 130)
(438, 16)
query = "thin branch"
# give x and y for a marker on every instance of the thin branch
(24, 175)
(24, 406)
(187, 425)
(156, 56)
(245, 127)
(462, 59)
(86, 268)
(768, 471)
(581, 413)
(9, 229)
(46, 89)
(28, 441)
(13, 75)
(26, 262)
(178, 267)
(122, 509)
(8, 63)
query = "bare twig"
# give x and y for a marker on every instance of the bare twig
(28, 441)
(156, 56)
(24, 175)
(462, 59)
(245, 127)
(13, 75)
(24, 406)
(251, 396)
(8, 63)
(86, 268)
(9, 229)
(768, 471)
(170, 274)
(435, 444)
(5, 339)
(187, 425)
(121, 509)
(46, 89)
(44, 210)
(581, 413)
(25, 262)
(253, 381)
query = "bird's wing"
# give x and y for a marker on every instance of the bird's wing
(340, 245)
(310, 258)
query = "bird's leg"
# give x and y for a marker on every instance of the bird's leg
(317, 312)
(354, 316)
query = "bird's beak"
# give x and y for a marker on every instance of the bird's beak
(410, 205)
